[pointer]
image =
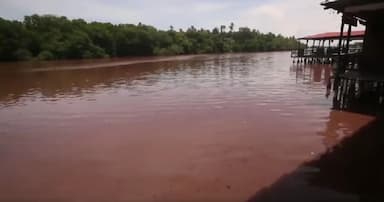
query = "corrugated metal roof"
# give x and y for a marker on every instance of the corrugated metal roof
(334, 35)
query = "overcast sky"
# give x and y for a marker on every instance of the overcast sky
(288, 17)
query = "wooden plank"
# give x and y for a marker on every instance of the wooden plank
(365, 7)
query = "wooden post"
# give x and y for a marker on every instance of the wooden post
(339, 63)
(348, 37)
(298, 47)
(324, 52)
(341, 38)
(298, 51)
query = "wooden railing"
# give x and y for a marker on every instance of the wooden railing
(321, 52)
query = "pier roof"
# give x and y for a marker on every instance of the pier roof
(359, 8)
(355, 35)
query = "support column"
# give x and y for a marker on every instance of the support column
(349, 36)
(341, 38)
(348, 57)
(339, 62)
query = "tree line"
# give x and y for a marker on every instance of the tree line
(49, 37)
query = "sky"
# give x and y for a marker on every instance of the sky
(288, 17)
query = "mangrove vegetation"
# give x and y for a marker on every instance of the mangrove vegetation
(49, 37)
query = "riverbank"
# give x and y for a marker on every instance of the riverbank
(57, 65)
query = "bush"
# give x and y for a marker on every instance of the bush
(171, 50)
(87, 55)
(22, 54)
(45, 55)
(99, 52)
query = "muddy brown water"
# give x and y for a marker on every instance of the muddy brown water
(209, 127)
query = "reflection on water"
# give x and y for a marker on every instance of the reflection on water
(190, 128)
(312, 73)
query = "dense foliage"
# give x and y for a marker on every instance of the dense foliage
(50, 37)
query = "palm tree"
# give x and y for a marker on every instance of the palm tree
(222, 28)
(231, 26)
(215, 30)
(192, 28)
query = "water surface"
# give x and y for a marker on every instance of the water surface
(209, 127)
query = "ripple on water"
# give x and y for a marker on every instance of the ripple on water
(212, 114)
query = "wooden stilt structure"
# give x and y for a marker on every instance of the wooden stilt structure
(318, 52)
(359, 78)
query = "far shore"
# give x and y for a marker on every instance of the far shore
(57, 65)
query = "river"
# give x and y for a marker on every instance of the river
(206, 127)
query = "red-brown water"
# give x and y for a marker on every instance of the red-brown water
(211, 127)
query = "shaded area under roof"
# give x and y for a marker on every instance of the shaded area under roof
(355, 35)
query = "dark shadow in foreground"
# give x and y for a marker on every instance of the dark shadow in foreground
(353, 170)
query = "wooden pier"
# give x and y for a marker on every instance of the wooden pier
(359, 92)
(323, 50)
(358, 83)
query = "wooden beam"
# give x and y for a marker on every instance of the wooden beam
(366, 7)
(350, 20)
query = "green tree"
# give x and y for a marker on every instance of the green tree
(231, 27)
(47, 37)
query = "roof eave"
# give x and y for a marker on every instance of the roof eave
(335, 5)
